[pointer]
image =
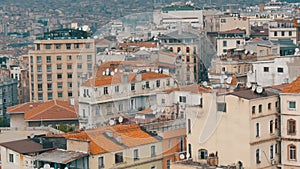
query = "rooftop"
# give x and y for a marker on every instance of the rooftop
(49, 110)
(105, 139)
(249, 94)
(293, 87)
(60, 156)
(234, 31)
(180, 8)
(24, 146)
(65, 34)
(194, 88)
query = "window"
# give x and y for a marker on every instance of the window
(188, 59)
(40, 87)
(223, 20)
(79, 57)
(89, 58)
(58, 67)
(291, 127)
(59, 85)
(105, 90)
(157, 83)
(48, 59)
(280, 70)
(187, 49)
(11, 158)
(189, 126)
(49, 86)
(168, 164)
(90, 67)
(69, 75)
(39, 78)
(116, 89)
(290, 33)
(100, 162)
(118, 157)
(271, 126)
(266, 69)
(79, 66)
(260, 108)
(292, 152)
(202, 154)
(87, 45)
(68, 46)
(221, 107)
(201, 102)
(269, 106)
(39, 59)
(182, 99)
(57, 46)
(59, 76)
(50, 96)
(181, 144)
(224, 43)
(253, 109)
(276, 123)
(257, 155)
(274, 51)
(282, 33)
(275, 33)
(271, 152)
(49, 68)
(238, 42)
(135, 154)
(40, 96)
(47, 46)
(153, 153)
(147, 84)
(70, 94)
(58, 57)
(69, 85)
(292, 105)
(69, 66)
(38, 46)
(49, 77)
(59, 94)
(178, 49)
(257, 129)
(120, 107)
(163, 101)
(76, 45)
(69, 57)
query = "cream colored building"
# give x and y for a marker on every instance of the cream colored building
(60, 62)
(290, 143)
(238, 127)
(234, 21)
(282, 29)
(120, 146)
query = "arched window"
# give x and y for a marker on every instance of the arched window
(171, 49)
(292, 152)
(202, 154)
(187, 49)
(178, 49)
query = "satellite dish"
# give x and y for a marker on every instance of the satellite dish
(111, 122)
(251, 52)
(116, 70)
(250, 71)
(107, 70)
(187, 155)
(121, 119)
(103, 73)
(168, 109)
(204, 83)
(107, 73)
(181, 156)
(246, 52)
(156, 71)
(47, 166)
(248, 84)
(229, 80)
(112, 73)
(148, 69)
(253, 87)
(259, 89)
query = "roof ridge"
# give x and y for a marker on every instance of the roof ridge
(42, 110)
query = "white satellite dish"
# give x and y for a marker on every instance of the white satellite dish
(121, 119)
(187, 155)
(246, 52)
(107, 70)
(116, 70)
(250, 71)
(103, 73)
(251, 52)
(47, 166)
(253, 87)
(111, 122)
(181, 156)
(156, 71)
(259, 89)
(229, 80)
(248, 85)
(112, 73)
(204, 83)
(148, 69)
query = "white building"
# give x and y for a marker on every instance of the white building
(282, 29)
(230, 39)
(275, 72)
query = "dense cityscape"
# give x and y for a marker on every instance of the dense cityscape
(158, 84)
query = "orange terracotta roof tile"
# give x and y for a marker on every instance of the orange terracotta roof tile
(139, 44)
(293, 87)
(194, 88)
(22, 108)
(168, 53)
(145, 111)
(100, 142)
(117, 78)
(51, 110)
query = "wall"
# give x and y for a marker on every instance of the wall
(17, 121)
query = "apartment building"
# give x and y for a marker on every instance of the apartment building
(119, 146)
(61, 61)
(289, 106)
(230, 39)
(282, 29)
(232, 21)
(116, 93)
(238, 128)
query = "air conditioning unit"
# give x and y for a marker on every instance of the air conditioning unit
(273, 162)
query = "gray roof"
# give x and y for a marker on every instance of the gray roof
(249, 94)
(60, 156)
(24, 146)
(179, 35)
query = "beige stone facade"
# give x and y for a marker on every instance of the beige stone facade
(58, 67)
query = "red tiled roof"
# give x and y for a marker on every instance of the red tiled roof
(145, 111)
(293, 87)
(100, 142)
(139, 44)
(117, 78)
(49, 110)
(194, 88)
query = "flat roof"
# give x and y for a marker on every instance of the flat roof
(60, 156)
